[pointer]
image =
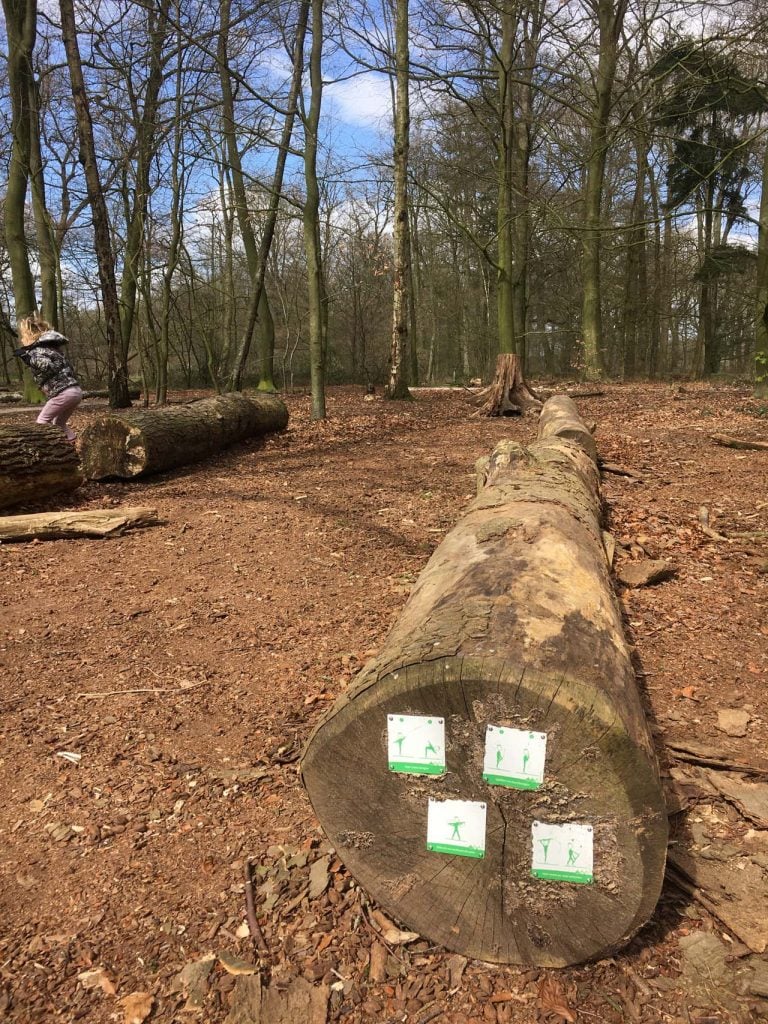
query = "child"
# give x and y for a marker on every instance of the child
(51, 370)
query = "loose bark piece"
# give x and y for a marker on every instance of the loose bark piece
(751, 798)
(736, 442)
(508, 395)
(128, 445)
(377, 969)
(36, 461)
(731, 886)
(513, 623)
(713, 757)
(300, 1003)
(619, 470)
(733, 721)
(76, 523)
(645, 572)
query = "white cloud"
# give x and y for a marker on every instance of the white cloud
(364, 101)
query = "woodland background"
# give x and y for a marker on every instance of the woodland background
(580, 183)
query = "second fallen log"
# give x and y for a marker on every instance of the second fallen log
(127, 445)
(512, 626)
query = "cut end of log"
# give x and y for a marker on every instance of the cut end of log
(493, 908)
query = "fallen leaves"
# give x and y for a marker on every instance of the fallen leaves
(553, 1001)
(136, 1007)
(97, 978)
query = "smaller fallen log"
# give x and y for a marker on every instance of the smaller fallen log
(128, 445)
(36, 461)
(736, 442)
(77, 523)
(133, 393)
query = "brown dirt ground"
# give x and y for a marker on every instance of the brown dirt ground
(178, 659)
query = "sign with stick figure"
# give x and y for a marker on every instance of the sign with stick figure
(456, 826)
(562, 853)
(416, 744)
(514, 757)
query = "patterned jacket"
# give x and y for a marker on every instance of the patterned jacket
(50, 368)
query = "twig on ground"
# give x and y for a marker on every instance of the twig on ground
(250, 912)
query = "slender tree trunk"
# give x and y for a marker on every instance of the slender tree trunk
(117, 362)
(761, 310)
(21, 31)
(238, 369)
(312, 244)
(147, 141)
(610, 18)
(265, 326)
(398, 364)
(508, 341)
(46, 249)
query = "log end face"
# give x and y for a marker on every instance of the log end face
(493, 908)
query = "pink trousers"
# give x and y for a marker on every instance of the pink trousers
(57, 410)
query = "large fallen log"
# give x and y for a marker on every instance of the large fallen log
(36, 461)
(100, 522)
(513, 624)
(135, 444)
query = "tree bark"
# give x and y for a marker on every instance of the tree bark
(80, 523)
(36, 461)
(117, 361)
(141, 443)
(761, 298)
(610, 16)
(513, 622)
(508, 395)
(401, 248)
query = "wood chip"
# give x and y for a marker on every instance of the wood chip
(645, 572)
(233, 964)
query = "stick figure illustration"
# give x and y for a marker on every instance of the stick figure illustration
(573, 853)
(545, 843)
(526, 759)
(456, 825)
(429, 749)
(400, 740)
(499, 754)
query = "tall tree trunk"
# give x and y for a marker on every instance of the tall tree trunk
(265, 326)
(147, 141)
(761, 310)
(610, 15)
(312, 245)
(236, 375)
(398, 364)
(508, 341)
(117, 361)
(21, 31)
(46, 249)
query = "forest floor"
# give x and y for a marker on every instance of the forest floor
(157, 689)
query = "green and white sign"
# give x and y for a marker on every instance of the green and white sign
(416, 744)
(514, 757)
(562, 853)
(456, 826)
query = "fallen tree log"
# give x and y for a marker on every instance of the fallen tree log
(99, 522)
(736, 442)
(36, 461)
(127, 445)
(513, 624)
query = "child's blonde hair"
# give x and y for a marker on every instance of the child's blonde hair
(31, 327)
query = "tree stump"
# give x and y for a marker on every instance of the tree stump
(512, 624)
(36, 461)
(128, 445)
(508, 395)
